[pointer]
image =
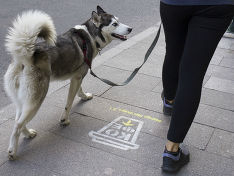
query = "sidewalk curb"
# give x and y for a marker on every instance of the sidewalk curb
(54, 86)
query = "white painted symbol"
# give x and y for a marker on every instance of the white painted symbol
(121, 133)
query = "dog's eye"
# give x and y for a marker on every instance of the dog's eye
(115, 24)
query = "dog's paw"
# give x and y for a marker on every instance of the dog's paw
(11, 155)
(64, 122)
(32, 133)
(88, 96)
(29, 133)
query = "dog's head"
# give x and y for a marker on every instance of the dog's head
(109, 25)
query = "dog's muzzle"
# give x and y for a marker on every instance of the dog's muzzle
(122, 37)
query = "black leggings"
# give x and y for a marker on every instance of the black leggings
(192, 34)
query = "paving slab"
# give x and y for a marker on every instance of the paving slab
(108, 110)
(205, 163)
(5, 132)
(7, 113)
(100, 59)
(62, 155)
(225, 43)
(155, 123)
(58, 98)
(3, 158)
(210, 69)
(227, 62)
(222, 85)
(218, 99)
(127, 60)
(216, 59)
(206, 78)
(223, 72)
(24, 168)
(46, 117)
(50, 148)
(116, 75)
(153, 68)
(159, 87)
(199, 136)
(93, 85)
(229, 54)
(221, 52)
(148, 153)
(71, 158)
(232, 47)
(219, 55)
(56, 153)
(215, 117)
(222, 143)
(136, 97)
(160, 48)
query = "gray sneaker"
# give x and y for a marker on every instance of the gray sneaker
(174, 161)
(167, 106)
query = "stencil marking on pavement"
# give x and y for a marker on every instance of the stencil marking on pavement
(121, 133)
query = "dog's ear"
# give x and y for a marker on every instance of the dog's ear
(100, 10)
(95, 18)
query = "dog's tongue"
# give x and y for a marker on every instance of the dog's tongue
(124, 36)
(121, 36)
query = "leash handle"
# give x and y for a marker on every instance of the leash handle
(133, 74)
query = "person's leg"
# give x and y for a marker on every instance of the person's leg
(204, 32)
(175, 24)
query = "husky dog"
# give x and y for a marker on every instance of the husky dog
(67, 56)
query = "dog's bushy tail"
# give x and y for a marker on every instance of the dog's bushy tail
(21, 38)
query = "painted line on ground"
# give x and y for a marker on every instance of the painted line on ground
(136, 114)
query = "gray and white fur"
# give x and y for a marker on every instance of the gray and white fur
(34, 64)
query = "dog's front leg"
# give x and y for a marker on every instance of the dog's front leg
(74, 86)
(84, 96)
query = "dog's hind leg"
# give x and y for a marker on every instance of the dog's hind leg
(84, 96)
(28, 133)
(18, 112)
(26, 115)
(28, 111)
(74, 86)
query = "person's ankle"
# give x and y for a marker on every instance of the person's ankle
(172, 147)
(170, 101)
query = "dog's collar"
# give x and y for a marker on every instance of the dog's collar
(85, 45)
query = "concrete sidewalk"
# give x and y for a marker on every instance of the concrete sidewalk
(132, 145)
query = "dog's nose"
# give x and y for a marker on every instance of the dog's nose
(129, 30)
